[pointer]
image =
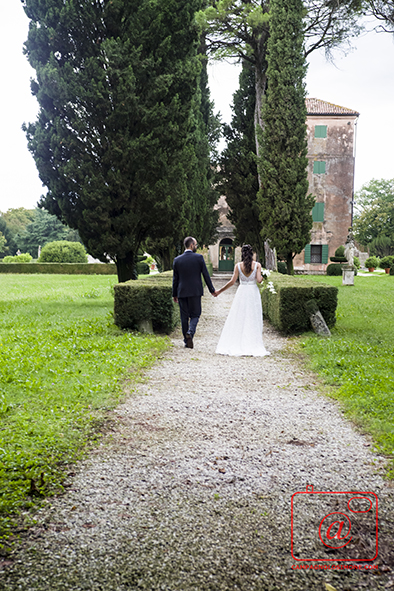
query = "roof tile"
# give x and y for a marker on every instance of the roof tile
(315, 106)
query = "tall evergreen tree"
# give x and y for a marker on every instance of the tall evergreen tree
(197, 216)
(115, 85)
(238, 167)
(285, 206)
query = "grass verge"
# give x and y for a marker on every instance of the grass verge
(63, 364)
(358, 360)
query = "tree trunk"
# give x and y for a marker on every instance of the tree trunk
(270, 257)
(260, 82)
(126, 267)
(289, 263)
(167, 259)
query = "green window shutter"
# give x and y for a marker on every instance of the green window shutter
(318, 212)
(307, 254)
(319, 167)
(324, 254)
(320, 130)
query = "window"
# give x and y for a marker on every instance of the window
(320, 130)
(316, 253)
(318, 212)
(319, 167)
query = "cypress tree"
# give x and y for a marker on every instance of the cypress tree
(285, 206)
(115, 85)
(238, 167)
(196, 216)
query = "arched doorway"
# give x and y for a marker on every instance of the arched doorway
(226, 255)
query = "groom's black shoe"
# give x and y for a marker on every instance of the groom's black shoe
(189, 341)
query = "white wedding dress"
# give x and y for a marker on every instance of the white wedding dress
(242, 333)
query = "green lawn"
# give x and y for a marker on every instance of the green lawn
(63, 364)
(358, 360)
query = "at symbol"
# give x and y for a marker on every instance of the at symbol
(335, 526)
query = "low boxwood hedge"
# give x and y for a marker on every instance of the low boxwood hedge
(60, 268)
(146, 299)
(334, 269)
(286, 309)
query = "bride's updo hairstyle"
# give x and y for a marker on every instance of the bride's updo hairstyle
(247, 257)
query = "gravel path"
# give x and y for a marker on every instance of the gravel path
(192, 490)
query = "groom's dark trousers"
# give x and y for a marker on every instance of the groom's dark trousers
(187, 287)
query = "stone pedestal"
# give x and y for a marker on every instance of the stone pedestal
(348, 275)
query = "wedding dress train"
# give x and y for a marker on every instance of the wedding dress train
(242, 333)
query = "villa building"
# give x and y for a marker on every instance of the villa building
(331, 132)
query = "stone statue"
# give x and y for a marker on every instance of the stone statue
(350, 248)
(349, 269)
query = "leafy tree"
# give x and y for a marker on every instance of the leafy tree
(383, 10)
(238, 179)
(3, 242)
(382, 246)
(240, 29)
(43, 229)
(374, 216)
(285, 206)
(9, 248)
(375, 189)
(18, 219)
(115, 84)
(62, 251)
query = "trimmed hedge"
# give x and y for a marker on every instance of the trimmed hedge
(147, 299)
(334, 269)
(60, 268)
(286, 309)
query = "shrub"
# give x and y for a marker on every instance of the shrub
(282, 268)
(334, 269)
(24, 257)
(62, 251)
(386, 262)
(286, 308)
(149, 298)
(143, 268)
(392, 270)
(372, 262)
(339, 256)
(356, 262)
(60, 268)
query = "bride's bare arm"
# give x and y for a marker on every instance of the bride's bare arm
(259, 277)
(229, 283)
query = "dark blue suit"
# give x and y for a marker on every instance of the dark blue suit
(187, 287)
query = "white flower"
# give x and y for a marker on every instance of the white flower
(271, 287)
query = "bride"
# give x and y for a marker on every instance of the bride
(242, 333)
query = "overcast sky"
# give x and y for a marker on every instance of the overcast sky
(363, 81)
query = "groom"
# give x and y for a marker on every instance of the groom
(187, 287)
